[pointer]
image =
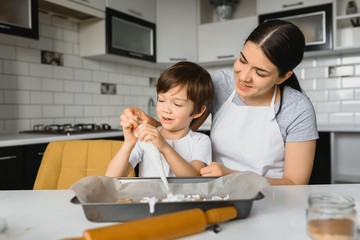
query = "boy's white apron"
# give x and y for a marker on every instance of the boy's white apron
(248, 138)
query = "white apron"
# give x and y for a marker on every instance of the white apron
(248, 138)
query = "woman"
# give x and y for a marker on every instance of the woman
(261, 120)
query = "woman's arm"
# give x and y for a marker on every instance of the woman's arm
(299, 160)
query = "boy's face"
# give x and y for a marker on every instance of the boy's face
(174, 109)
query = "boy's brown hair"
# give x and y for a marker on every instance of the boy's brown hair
(200, 88)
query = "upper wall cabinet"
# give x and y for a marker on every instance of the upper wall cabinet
(19, 18)
(75, 9)
(223, 41)
(176, 32)
(144, 9)
(346, 25)
(220, 42)
(266, 6)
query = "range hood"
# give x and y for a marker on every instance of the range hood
(70, 9)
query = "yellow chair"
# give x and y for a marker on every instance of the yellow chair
(66, 162)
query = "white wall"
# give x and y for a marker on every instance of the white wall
(34, 93)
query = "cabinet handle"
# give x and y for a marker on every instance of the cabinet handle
(292, 4)
(225, 56)
(136, 54)
(178, 59)
(7, 157)
(85, 1)
(40, 153)
(135, 12)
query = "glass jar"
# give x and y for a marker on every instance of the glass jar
(331, 217)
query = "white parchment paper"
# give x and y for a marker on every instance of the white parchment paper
(101, 189)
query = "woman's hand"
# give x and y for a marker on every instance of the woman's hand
(215, 169)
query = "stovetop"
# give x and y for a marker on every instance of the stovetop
(69, 129)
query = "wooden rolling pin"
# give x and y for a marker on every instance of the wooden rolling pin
(167, 226)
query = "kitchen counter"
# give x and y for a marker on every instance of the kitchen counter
(27, 138)
(48, 214)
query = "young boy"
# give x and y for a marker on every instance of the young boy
(184, 92)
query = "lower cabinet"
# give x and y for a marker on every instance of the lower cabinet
(11, 168)
(321, 173)
(19, 165)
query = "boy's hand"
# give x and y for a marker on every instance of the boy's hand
(149, 133)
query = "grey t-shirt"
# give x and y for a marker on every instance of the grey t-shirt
(296, 120)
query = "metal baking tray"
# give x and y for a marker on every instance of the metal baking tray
(122, 212)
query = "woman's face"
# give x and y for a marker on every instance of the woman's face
(174, 109)
(255, 76)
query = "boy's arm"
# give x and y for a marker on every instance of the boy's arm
(119, 165)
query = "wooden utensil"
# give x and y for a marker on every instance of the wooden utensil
(167, 226)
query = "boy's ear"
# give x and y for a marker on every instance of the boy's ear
(197, 115)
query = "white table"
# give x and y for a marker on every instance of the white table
(48, 214)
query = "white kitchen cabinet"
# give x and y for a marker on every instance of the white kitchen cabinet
(176, 31)
(77, 9)
(266, 6)
(346, 36)
(223, 41)
(144, 9)
(345, 158)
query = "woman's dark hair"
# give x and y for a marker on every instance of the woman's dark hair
(283, 43)
(200, 88)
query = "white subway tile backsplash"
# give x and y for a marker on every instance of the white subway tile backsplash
(98, 76)
(357, 70)
(48, 31)
(90, 64)
(27, 55)
(328, 107)
(318, 72)
(350, 106)
(100, 99)
(92, 111)
(82, 74)
(71, 36)
(72, 61)
(345, 94)
(41, 97)
(115, 78)
(328, 83)
(60, 23)
(7, 81)
(28, 83)
(121, 68)
(73, 86)
(1, 96)
(115, 100)
(41, 70)
(107, 66)
(52, 84)
(350, 82)
(326, 61)
(17, 125)
(122, 89)
(317, 96)
(63, 72)
(322, 118)
(351, 59)
(64, 98)
(73, 111)
(42, 44)
(53, 111)
(83, 99)
(8, 111)
(16, 68)
(63, 47)
(308, 84)
(29, 111)
(91, 87)
(341, 118)
(108, 111)
(16, 97)
(7, 52)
